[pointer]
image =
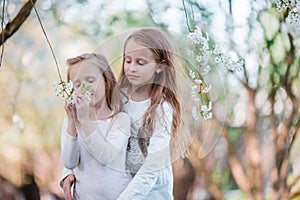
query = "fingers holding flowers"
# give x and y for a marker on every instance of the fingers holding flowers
(82, 107)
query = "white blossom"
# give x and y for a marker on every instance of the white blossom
(208, 116)
(206, 108)
(194, 87)
(71, 99)
(63, 89)
(236, 66)
(209, 106)
(195, 113)
(205, 70)
(55, 85)
(205, 55)
(69, 86)
(196, 37)
(199, 58)
(198, 81)
(293, 18)
(190, 52)
(217, 50)
(195, 93)
(60, 94)
(192, 74)
(207, 89)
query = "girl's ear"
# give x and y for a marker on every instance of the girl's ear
(158, 70)
(161, 67)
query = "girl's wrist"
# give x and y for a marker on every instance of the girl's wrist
(71, 129)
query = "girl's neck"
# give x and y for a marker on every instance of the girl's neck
(99, 112)
(140, 93)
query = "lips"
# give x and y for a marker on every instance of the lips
(131, 76)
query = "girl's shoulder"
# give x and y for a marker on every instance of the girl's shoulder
(164, 110)
(165, 106)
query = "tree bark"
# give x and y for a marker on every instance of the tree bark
(19, 19)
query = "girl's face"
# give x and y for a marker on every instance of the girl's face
(89, 74)
(139, 64)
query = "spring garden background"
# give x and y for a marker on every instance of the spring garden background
(244, 64)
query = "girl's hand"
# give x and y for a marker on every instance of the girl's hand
(82, 108)
(67, 186)
(69, 108)
(72, 118)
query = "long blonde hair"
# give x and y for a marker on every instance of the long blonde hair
(164, 86)
(113, 95)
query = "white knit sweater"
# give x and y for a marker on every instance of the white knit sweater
(154, 180)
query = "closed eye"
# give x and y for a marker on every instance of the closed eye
(141, 62)
(127, 60)
(90, 80)
(77, 84)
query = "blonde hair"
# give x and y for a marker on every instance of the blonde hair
(164, 86)
(113, 95)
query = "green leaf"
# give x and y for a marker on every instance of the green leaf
(84, 88)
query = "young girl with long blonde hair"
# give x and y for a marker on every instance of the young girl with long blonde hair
(148, 77)
(95, 132)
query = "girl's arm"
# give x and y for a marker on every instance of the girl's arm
(69, 146)
(106, 149)
(157, 160)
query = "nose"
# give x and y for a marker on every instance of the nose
(132, 67)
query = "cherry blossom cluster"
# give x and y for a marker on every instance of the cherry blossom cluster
(293, 7)
(205, 55)
(199, 95)
(64, 89)
(200, 91)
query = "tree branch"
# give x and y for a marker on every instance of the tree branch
(19, 19)
(236, 168)
(200, 167)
